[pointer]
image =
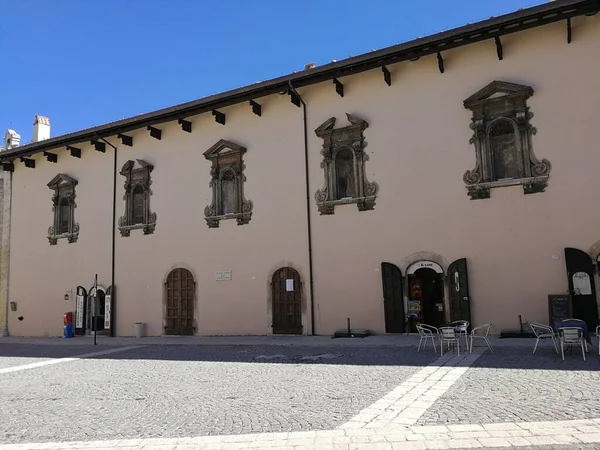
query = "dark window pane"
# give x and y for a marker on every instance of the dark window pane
(344, 170)
(64, 213)
(228, 193)
(505, 156)
(138, 205)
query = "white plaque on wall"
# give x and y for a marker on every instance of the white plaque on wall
(289, 285)
(224, 275)
(582, 284)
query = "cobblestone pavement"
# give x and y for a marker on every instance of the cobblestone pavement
(297, 397)
(514, 385)
(17, 355)
(180, 391)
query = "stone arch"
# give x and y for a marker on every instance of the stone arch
(424, 256)
(594, 251)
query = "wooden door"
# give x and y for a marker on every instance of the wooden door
(179, 313)
(460, 300)
(286, 289)
(580, 273)
(393, 302)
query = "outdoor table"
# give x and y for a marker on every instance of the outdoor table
(574, 324)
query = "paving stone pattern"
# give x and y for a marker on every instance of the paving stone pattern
(180, 391)
(12, 355)
(513, 385)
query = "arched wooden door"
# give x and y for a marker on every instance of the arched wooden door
(179, 311)
(286, 288)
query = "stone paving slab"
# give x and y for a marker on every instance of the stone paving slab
(180, 391)
(514, 385)
(537, 435)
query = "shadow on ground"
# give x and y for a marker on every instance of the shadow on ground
(504, 357)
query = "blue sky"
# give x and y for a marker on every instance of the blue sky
(88, 62)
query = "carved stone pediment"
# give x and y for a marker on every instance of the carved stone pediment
(63, 208)
(227, 183)
(344, 166)
(138, 184)
(502, 137)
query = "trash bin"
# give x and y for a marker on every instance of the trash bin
(139, 329)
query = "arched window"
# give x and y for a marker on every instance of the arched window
(63, 206)
(227, 183)
(64, 216)
(343, 165)
(137, 198)
(502, 135)
(228, 200)
(344, 174)
(137, 202)
(506, 158)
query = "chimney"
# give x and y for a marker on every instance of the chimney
(41, 128)
(12, 139)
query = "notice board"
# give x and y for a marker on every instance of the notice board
(559, 308)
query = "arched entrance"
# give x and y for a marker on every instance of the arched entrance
(580, 277)
(179, 308)
(96, 309)
(425, 293)
(286, 295)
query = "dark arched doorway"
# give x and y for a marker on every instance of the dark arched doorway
(426, 293)
(179, 309)
(286, 295)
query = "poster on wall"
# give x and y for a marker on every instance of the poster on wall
(107, 311)
(289, 285)
(79, 312)
(582, 284)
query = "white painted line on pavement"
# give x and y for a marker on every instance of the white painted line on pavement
(406, 404)
(61, 360)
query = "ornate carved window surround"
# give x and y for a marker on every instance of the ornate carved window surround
(137, 198)
(502, 138)
(343, 165)
(63, 207)
(227, 184)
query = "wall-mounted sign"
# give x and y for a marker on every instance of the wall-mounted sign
(289, 285)
(582, 284)
(79, 312)
(423, 265)
(107, 311)
(223, 275)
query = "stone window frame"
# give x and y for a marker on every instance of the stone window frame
(137, 175)
(226, 158)
(503, 101)
(64, 190)
(336, 140)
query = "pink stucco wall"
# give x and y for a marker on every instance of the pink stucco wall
(418, 142)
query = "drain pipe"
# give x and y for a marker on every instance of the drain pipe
(5, 255)
(309, 227)
(114, 218)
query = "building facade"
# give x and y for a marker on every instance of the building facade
(447, 178)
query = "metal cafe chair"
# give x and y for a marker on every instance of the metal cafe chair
(571, 336)
(481, 332)
(462, 327)
(427, 332)
(450, 336)
(543, 332)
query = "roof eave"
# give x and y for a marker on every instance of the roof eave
(488, 29)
